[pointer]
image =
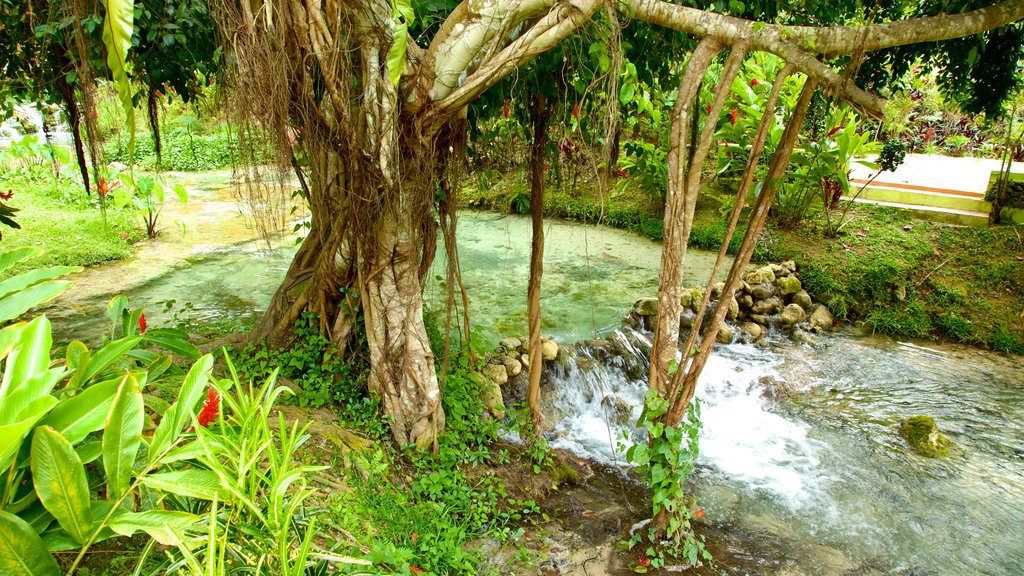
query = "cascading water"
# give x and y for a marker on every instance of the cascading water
(801, 464)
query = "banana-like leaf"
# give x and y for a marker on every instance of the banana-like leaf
(12, 257)
(180, 412)
(106, 356)
(89, 451)
(122, 435)
(59, 478)
(18, 404)
(30, 356)
(179, 346)
(77, 417)
(193, 483)
(22, 552)
(161, 525)
(118, 23)
(9, 337)
(33, 277)
(12, 435)
(17, 304)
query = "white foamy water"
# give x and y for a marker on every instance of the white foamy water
(596, 409)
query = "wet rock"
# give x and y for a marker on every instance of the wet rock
(513, 366)
(619, 410)
(734, 310)
(719, 501)
(767, 306)
(760, 319)
(745, 301)
(495, 373)
(717, 288)
(821, 319)
(687, 318)
(511, 344)
(752, 331)
(779, 271)
(490, 393)
(922, 434)
(762, 291)
(774, 389)
(646, 307)
(767, 272)
(686, 299)
(549, 349)
(557, 559)
(696, 295)
(525, 360)
(801, 337)
(789, 285)
(803, 299)
(725, 335)
(789, 266)
(828, 561)
(792, 314)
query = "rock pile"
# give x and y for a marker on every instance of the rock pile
(770, 297)
(509, 362)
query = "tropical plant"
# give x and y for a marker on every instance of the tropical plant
(146, 195)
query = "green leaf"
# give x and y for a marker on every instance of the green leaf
(122, 435)
(396, 54)
(59, 478)
(627, 92)
(77, 417)
(29, 356)
(22, 552)
(192, 483)
(17, 304)
(11, 257)
(117, 38)
(170, 427)
(161, 525)
(22, 402)
(89, 451)
(116, 306)
(107, 355)
(174, 345)
(181, 192)
(12, 435)
(23, 281)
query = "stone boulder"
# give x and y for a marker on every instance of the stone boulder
(495, 373)
(490, 393)
(791, 315)
(789, 285)
(821, 319)
(923, 436)
(762, 290)
(767, 306)
(549, 349)
(646, 307)
(803, 299)
(511, 344)
(512, 366)
(752, 331)
(725, 335)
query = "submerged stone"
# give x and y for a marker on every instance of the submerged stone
(646, 307)
(923, 436)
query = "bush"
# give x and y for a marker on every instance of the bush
(183, 150)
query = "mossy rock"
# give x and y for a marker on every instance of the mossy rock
(923, 436)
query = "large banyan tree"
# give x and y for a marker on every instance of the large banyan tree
(380, 117)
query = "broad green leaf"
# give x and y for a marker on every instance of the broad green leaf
(107, 355)
(37, 516)
(396, 54)
(181, 192)
(9, 337)
(12, 435)
(19, 403)
(77, 417)
(122, 435)
(627, 92)
(193, 483)
(59, 478)
(30, 356)
(117, 38)
(186, 452)
(22, 281)
(11, 257)
(89, 451)
(77, 358)
(22, 552)
(116, 306)
(17, 304)
(180, 412)
(159, 524)
(174, 345)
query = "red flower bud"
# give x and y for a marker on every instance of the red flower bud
(576, 111)
(142, 317)
(754, 82)
(211, 407)
(506, 108)
(732, 117)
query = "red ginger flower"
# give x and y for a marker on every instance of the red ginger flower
(754, 82)
(732, 117)
(142, 317)
(211, 407)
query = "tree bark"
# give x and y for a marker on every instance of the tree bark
(539, 117)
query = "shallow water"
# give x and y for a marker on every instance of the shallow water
(818, 480)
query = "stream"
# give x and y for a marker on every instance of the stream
(802, 470)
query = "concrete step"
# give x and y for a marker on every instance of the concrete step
(956, 216)
(919, 196)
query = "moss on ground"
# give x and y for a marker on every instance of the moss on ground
(903, 277)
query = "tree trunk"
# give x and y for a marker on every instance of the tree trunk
(540, 126)
(67, 94)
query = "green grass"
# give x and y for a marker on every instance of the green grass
(57, 217)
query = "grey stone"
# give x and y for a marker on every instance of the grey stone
(495, 373)
(767, 306)
(725, 335)
(803, 299)
(752, 331)
(717, 288)
(762, 291)
(687, 318)
(778, 270)
(513, 366)
(646, 307)
(792, 314)
(760, 319)
(490, 394)
(821, 319)
(767, 273)
(511, 344)
(549, 349)
(790, 266)
(745, 301)
(734, 309)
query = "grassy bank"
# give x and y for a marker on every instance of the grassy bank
(903, 277)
